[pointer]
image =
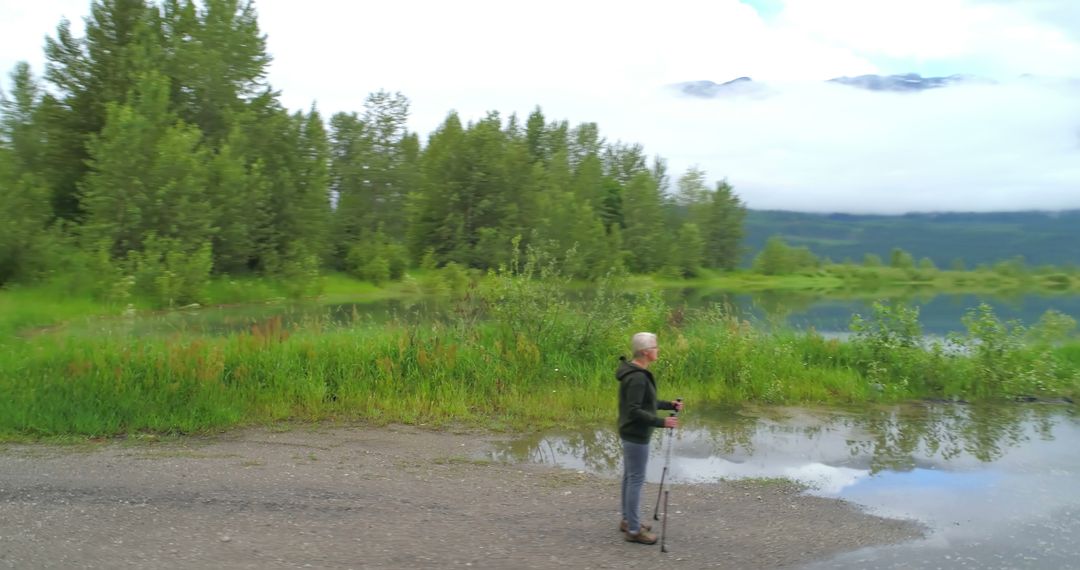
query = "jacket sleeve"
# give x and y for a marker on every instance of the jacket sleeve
(664, 405)
(635, 393)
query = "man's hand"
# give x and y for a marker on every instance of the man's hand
(671, 422)
(678, 405)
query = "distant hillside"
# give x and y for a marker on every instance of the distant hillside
(1040, 237)
(908, 82)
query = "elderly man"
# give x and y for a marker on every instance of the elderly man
(637, 418)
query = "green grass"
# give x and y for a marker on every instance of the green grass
(48, 304)
(23, 308)
(846, 280)
(504, 371)
(535, 359)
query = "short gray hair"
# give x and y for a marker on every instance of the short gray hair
(642, 341)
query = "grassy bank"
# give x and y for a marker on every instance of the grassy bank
(64, 300)
(47, 304)
(532, 359)
(853, 279)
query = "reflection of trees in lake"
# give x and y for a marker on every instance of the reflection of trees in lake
(599, 449)
(897, 438)
(900, 436)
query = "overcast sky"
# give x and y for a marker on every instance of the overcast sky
(796, 143)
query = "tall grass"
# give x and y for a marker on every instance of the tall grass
(534, 359)
(22, 309)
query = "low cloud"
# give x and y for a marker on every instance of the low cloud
(823, 147)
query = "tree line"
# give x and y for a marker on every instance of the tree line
(154, 153)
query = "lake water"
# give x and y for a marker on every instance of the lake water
(939, 314)
(997, 487)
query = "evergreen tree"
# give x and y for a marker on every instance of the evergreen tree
(88, 74)
(436, 222)
(484, 201)
(235, 195)
(217, 60)
(147, 175)
(901, 259)
(688, 257)
(692, 192)
(23, 220)
(584, 142)
(20, 122)
(643, 234)
(624, 161)
(774, 258)
(588, 183)
(722, 227)
(373, 168)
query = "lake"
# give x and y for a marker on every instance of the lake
(939, 313)
(996, 486)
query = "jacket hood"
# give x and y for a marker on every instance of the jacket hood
(626, 367)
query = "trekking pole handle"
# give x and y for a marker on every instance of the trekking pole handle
(675, 412)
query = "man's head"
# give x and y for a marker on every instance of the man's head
(644, 344)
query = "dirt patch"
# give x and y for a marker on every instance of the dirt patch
(395, 497)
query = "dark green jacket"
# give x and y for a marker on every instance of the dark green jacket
(638, 403)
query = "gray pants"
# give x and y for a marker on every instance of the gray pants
(635, 459)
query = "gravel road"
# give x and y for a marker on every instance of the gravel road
(387, 497)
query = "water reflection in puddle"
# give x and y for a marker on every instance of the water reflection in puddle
(999, 487)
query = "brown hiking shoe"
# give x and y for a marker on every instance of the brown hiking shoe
(644, 537)
(625, 526)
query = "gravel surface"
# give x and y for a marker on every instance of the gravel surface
(388, 497)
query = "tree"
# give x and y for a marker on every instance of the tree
(237, 197)
(310, 203)
(217, 60)
(584, 142)
(147, 175)
(778, 258)
(20, 124)
(624, 161)
(88, 74)
(774, 257)
(373, 168)
(26, 212)
(693, 192)
(688, 257)
(901, 259)
(534, 136)
(435, 221)
(722, 228)
(588, 182)
(23, 220)
(643, 236)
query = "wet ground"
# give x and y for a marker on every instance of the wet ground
(361, 497)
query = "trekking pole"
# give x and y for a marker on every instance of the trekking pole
(663, 474)
(663, 525)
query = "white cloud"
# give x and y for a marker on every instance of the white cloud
(824, 147)
(337, 52)
(25, 25)
(808, 145)
(1011, 37)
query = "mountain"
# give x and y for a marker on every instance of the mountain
(905, 82)
(908, 82)
(708, 89)
(1041, 238)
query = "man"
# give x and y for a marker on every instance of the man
(637, 418)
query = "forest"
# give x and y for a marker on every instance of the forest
(154, 155)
